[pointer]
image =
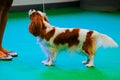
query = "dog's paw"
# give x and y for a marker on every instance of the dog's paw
(84, 62)
(47, 63)
(89, 65)
(44, 61)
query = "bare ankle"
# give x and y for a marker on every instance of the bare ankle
(2, 54)
(4, 50)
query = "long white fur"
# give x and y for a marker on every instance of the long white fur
(104, 40)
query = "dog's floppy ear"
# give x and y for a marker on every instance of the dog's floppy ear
(35, 27)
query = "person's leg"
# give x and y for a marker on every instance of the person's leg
(4, 8)
(1, 28)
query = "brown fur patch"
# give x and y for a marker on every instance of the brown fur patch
(69, 37)
(50, 34)
(89, 44)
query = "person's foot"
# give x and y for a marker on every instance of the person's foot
(5, 57)
(11, 53)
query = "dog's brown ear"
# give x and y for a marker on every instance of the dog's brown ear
(35, 27)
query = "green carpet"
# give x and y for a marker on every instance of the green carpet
(27, 66)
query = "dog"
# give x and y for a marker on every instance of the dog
(55, 39)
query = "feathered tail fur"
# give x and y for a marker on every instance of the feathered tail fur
(104, 40)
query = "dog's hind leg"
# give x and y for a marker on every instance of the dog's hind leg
(90, 62)
(89, 48)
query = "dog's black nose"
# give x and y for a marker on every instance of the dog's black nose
(31, 9)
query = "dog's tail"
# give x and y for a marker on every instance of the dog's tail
(104, 40)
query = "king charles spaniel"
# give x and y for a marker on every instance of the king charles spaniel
(54, 39)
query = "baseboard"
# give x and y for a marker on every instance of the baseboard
(100, 5)
(47, 6)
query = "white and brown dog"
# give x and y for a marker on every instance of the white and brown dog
(54, 39)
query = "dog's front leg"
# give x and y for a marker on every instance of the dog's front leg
(50, 54)
(47, 53)
(49, 61)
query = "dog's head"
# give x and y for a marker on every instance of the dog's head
(32, 13)
(36, 25)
